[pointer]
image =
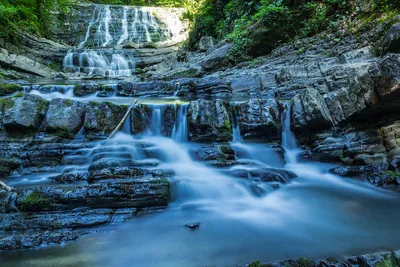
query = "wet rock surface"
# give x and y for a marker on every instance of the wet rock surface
(209, 121)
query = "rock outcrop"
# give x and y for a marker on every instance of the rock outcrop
(26, 114)
(65, 117)
(209, 121)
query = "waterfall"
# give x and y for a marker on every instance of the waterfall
(126, 128)
(105, 23)
(288, 138)
(124, 21)
(237, 137)
(112, 27)
(95, 62)
(91, 23)
(116, 25)
(156, 119)
(180, 130)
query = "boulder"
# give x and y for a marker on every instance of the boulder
(206, 42)
(258, 118)
(125, 89)
(216, 59)
(102, 118)
(209, 120)
(26, 115)
(65, 117)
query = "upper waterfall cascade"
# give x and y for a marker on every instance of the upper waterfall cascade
(111, 28)
(117, 25)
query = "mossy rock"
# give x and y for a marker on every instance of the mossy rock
(35, 201)
(256, 264)
(68, 102)
(19, 94)
(9, 88)
(6, 103)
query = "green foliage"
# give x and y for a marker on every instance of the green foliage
(168, 3)
(35, 201)
(239, 51)
(280, 20)
(28, 15)
(388, 262)
(255, 264)
(392, 175)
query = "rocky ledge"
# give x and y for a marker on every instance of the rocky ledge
(378, 259)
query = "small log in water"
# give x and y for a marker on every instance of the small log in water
(123, 119)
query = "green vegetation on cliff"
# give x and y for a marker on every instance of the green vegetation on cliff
(258, 26)
(169, 3)
(27, 15)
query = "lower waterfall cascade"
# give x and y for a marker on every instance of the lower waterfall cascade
(235, 211)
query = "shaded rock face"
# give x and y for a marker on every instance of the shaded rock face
(8, 164)
(391, 42)
(140, 119)
(372, 91)
(209, 120)
(390, 136)
(102, 118)
(26, 115)
(65, 117)
(309, 111)
(259, 118)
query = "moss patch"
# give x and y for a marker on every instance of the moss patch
(68, 102)
(19, 94)
(43, 106)
(9, 88)
(6, 103)
(35, 201)
(255, 264)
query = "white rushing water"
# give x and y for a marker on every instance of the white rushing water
(117, 25)
(96, 62)
(315, 215)
(111, 27)
(180, 130)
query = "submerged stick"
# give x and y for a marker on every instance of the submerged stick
(123, 119)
